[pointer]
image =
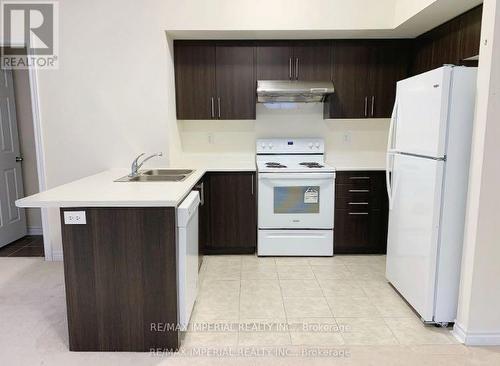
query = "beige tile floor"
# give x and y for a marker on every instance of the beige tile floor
(33, 327)
(339, 301)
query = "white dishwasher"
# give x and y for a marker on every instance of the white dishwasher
(187, 256)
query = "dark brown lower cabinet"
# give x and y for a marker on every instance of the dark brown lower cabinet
(120, 276)
(361, 213)
(232, 213)
(360, 232)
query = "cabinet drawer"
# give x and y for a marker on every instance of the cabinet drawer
(352, 200)
(358, 187)
(355, 180)
(349, 190)
(346, 198)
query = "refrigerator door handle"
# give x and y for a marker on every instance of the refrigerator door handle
(387, 180)
(389, 154)
(392, 126)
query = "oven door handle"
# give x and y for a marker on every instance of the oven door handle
(306, 176)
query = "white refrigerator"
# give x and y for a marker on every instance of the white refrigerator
(427, 173)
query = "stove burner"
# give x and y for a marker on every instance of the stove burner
(311, 164)
(275, 165)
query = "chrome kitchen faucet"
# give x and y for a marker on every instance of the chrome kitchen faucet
(136, 166)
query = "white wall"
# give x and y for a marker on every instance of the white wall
(27, 145)
(109, 99)
(350, 143)
(478, 319)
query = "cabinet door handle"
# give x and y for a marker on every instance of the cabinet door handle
(366, 106)
(358, 213)
(218, 106)
(359, 190)
(252, 183)
(202, 193)
(296, 68)
(213, 108)
(360, 178)
(290, 68)
(358, 203)
(373, 105)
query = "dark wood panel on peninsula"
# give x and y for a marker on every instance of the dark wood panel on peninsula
(120, 277)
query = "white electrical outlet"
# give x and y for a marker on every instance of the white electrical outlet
(75, 218)
(211, 138)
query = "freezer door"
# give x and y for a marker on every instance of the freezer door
(414, 230)
(422, 113)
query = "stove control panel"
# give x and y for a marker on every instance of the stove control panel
(290, 146)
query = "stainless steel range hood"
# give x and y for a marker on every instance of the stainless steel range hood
(280, 91)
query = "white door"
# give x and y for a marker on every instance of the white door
(414, 230)
(296, 200)
(12, 218)
(422, 113)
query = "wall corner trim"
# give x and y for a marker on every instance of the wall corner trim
(57, 256)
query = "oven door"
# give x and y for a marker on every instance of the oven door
(296, 200)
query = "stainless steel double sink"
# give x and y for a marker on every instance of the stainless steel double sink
(158, 175)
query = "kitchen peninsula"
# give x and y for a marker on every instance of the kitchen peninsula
(120, 260)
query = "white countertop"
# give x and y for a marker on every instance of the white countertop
(359, 168)
(100, 190)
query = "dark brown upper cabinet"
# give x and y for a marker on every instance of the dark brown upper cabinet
(470, 33)
(194, 80)
(214, 80)
(422, 55)
(293, 60)
(351, 68)
(450, 43)
(312, 60)
(364, 74)
(274, 60)
(391, 65)
(217, 79)
(235, 81)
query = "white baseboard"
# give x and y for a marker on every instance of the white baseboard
(35, 230)
(475, 338)
(57, 255)
(459, 332)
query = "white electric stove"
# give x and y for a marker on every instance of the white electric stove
(296, 191)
